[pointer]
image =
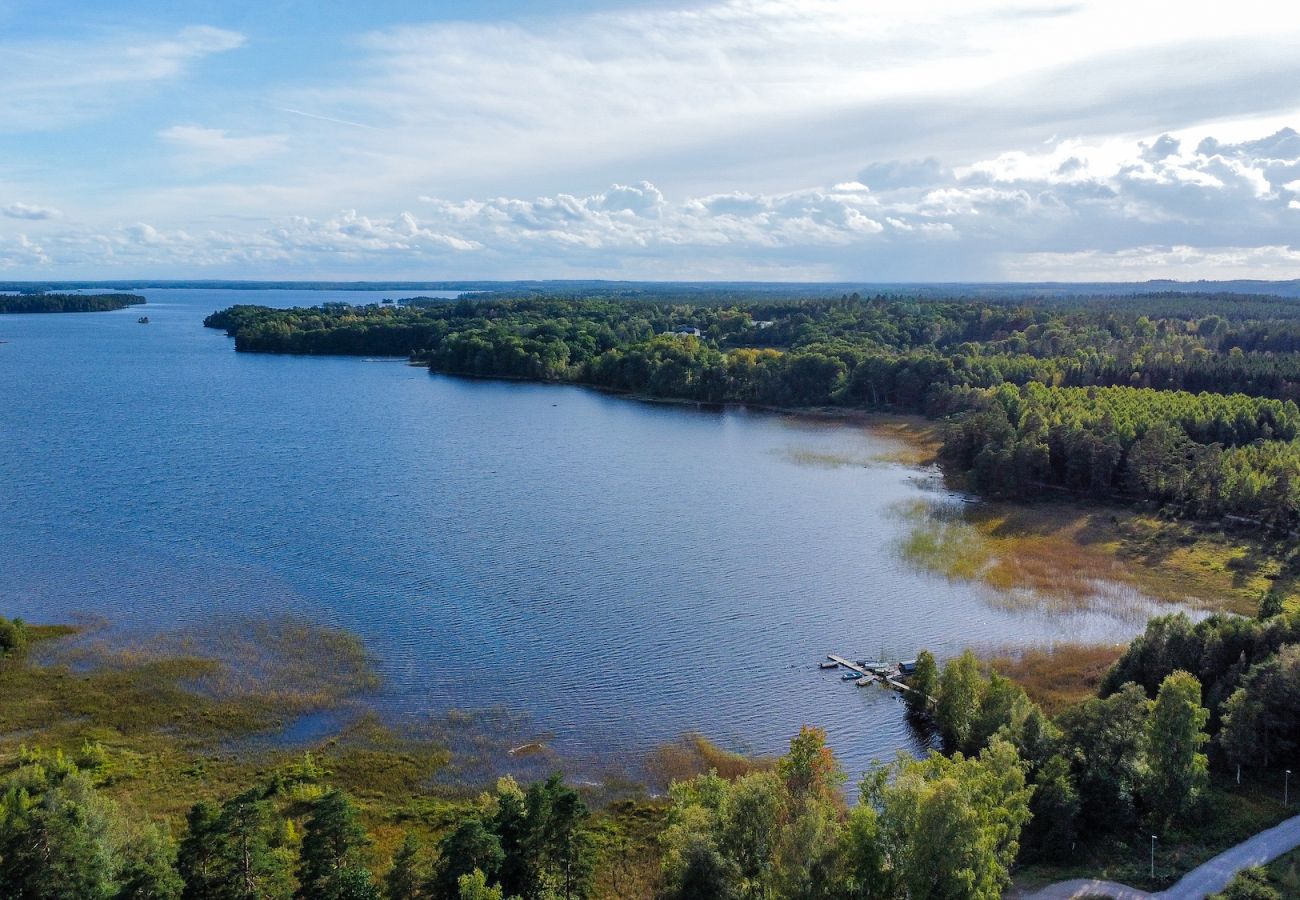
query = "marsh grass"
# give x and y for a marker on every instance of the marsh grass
(1056, 677)
(694, 754)
(165, 722)
(1072, 556)
(910, 441)
(170, 720)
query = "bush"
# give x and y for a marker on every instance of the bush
(13, 635)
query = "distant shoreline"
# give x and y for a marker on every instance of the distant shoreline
(36, 304)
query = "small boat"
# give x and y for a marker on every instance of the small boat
(865, 680)
(143, 320)
(851, 676)
(830, 665)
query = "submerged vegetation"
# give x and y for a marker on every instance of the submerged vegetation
(56, 303)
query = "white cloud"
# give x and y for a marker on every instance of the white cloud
(21, 253)
(1156, 262)
(50, 84)
(1075, 209)
(215, 147)
(758, 90)
(28, 211)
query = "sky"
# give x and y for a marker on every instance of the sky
(801, 140)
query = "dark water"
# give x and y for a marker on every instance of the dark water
(624, 571)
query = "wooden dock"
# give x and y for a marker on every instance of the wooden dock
(864, 677)
(890, 680)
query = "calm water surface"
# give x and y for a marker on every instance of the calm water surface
(623, 571)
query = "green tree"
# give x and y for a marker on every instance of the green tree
(1053, 827)
(1270, 605)
(1177, 772)
(58, 843)
(149, 867)
(468, 847)
(810, 768)
(332, 842)
(808, 863)
(474, 886)
(251, 869)
(566, 850)
(865, 874)
(950, 828)
(961, 687)
(749, 830)
(704, 875)
(1003, 709)
(201, 853)
(405, 880)
(13, 635)
(350, 883)
(1107, 740)
(923, 683)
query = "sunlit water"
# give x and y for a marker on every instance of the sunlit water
(623, 571)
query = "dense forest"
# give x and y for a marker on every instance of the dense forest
(1183, 401)
(56, 303)
(1011, 786)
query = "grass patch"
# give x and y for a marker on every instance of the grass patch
(1284, 873)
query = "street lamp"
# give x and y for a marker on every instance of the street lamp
(1153, 856)
(1286, 789)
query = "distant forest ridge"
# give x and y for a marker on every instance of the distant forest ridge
(986, 290)
(57, 303)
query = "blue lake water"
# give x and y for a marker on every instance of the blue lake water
(622, 571)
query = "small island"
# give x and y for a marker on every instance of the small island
(67, 303)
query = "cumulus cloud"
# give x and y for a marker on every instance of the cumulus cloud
(1167, 205)
(21, 253)
(28, 211)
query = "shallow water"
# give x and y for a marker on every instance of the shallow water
(624, 571)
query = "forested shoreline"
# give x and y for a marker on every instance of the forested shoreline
(1180, 400)
(69, 303)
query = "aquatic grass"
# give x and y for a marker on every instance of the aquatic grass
(820, 459)
(283, 665)
(937, 540)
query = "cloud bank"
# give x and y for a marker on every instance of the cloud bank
(1108, 210)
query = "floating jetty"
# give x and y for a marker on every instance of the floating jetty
(871, 672)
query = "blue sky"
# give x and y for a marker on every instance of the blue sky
(765, 139)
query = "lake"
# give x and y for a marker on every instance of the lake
(622, 571)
